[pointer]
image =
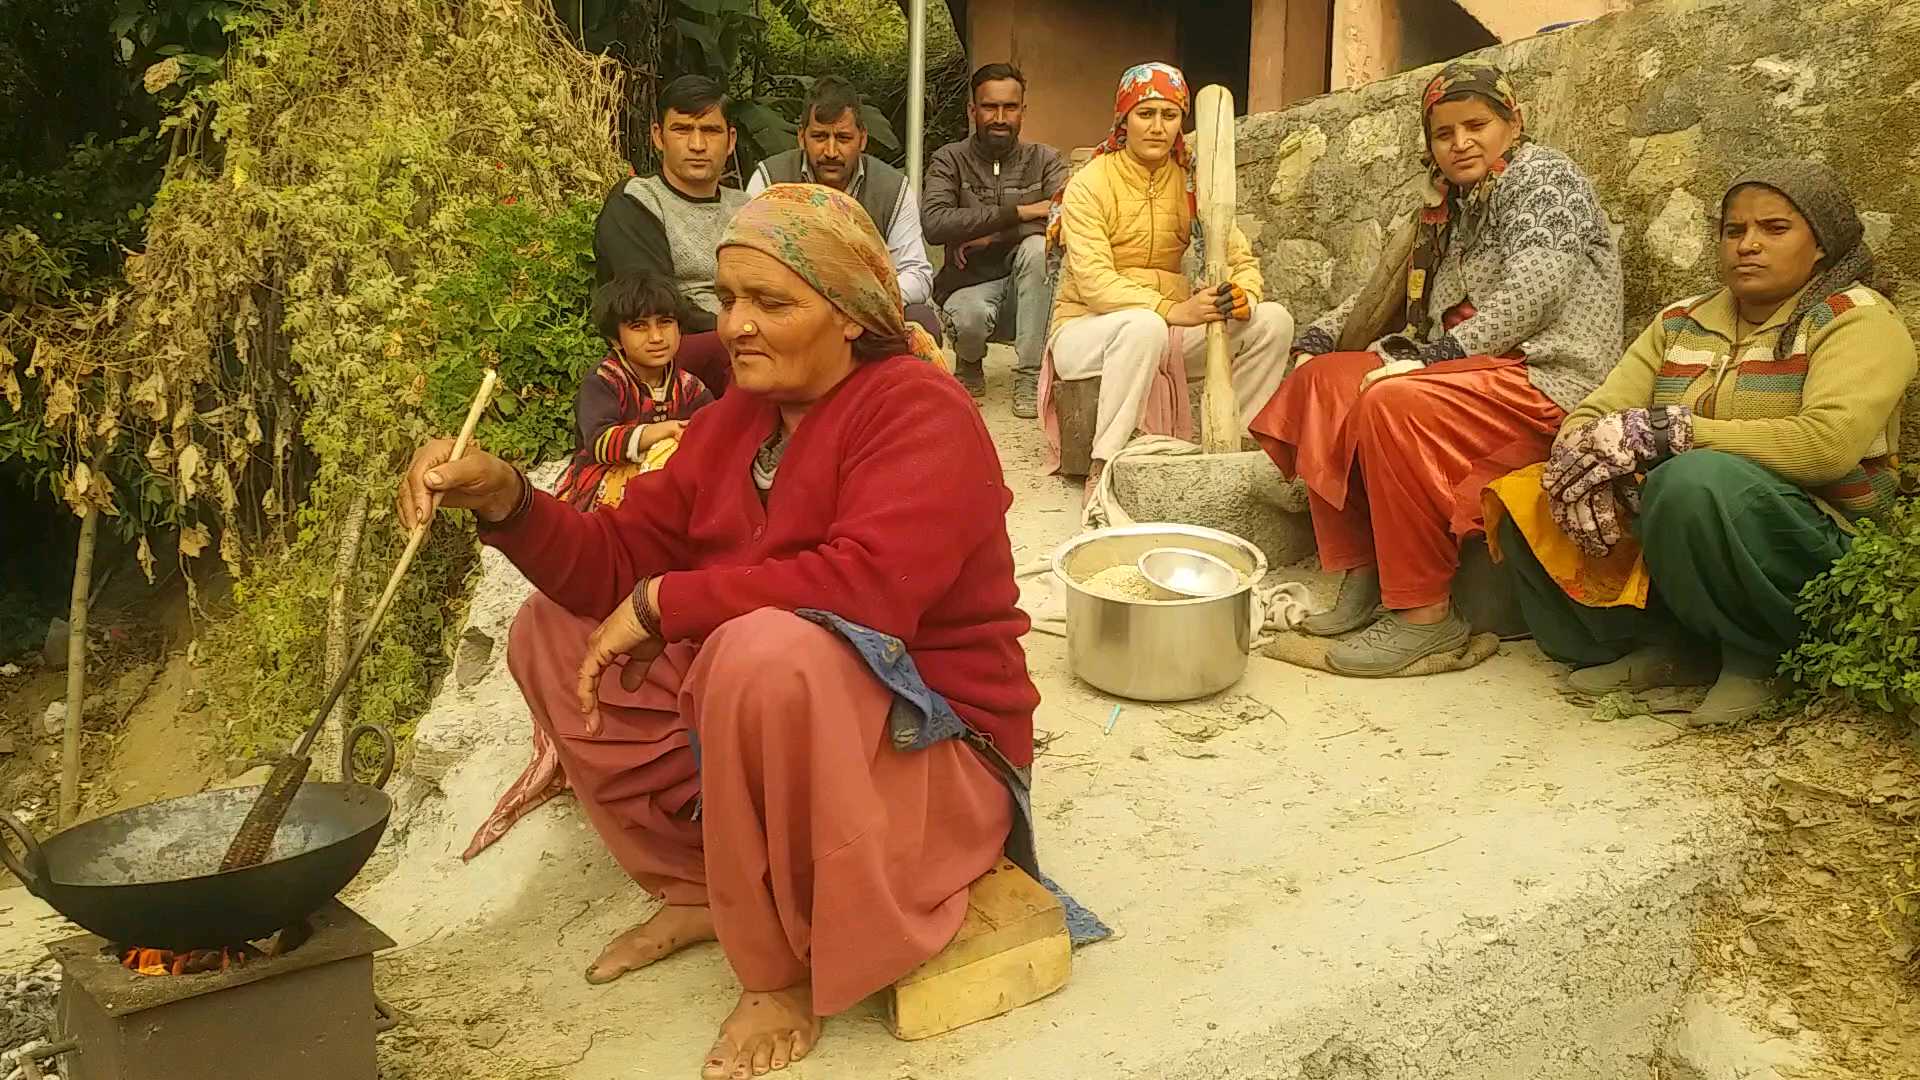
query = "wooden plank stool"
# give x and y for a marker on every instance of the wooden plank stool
(1012, 949)
(1077, 405)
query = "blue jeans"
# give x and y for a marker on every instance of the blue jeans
(979, 311)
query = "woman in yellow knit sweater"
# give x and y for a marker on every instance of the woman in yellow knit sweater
(1724, 461)
(1122, 304)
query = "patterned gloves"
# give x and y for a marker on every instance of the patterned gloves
(1589, 467)
(1234, 303)
(1314, 341)
(1402, 347)
(1616, 445)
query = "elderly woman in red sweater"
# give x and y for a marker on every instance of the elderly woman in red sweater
(784, 677)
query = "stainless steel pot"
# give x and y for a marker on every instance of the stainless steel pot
(1173, 650)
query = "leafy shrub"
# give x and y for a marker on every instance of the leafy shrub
(1863, 619)
(521, 302)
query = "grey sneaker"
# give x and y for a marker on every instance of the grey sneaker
(1393, 644)
(1357, 605)
(1649, 668)
(1026, 395)
(972, 376)
(1743, 691)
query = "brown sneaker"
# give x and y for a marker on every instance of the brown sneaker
(1393, 644)
(973, 377)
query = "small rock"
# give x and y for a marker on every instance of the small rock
(193, 701)
(1139, 753)
(54, 652)
(251, 778)
(6, 743)
(8, 671)
(55, 720)
(470, 662)
(486, 1036)
(1782, 1016)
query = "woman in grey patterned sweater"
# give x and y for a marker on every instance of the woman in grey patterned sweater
(1496, 311)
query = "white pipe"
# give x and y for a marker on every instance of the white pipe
(916, 88)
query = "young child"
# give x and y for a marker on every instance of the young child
(632, 407)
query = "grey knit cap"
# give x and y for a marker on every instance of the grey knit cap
(1821, 197)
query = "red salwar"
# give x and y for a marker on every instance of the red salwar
(1416, 448)
(824, 853)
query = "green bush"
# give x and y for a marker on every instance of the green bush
(1863, 619)
(522, 302)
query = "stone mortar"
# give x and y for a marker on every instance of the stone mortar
(1241, 493)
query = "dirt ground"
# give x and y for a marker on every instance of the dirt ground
(1825, 927)
(147, 734)
(1294, 869)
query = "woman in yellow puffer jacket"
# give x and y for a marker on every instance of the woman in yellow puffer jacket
(1122, 305)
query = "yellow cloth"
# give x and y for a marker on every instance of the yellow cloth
(1125, 232)
(1619, 580)
(613, 486)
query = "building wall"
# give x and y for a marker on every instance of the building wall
(1292, 52)
(1511, 20)
(1073, 52)
(1661, 105)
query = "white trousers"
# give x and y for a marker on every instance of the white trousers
(1123, 350)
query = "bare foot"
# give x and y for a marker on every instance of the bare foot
(765, 1033)
(671, 929)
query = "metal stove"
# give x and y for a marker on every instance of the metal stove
(308, 1013)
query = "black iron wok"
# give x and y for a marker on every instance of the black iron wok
(149, 876)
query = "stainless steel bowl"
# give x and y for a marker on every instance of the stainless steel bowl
(1189, 573)
(1167, 650)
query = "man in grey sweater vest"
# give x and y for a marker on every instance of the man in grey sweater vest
(670, 225)
(832, 151)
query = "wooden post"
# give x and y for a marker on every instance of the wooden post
(340, 603)
(1215, 189)
(77, 667)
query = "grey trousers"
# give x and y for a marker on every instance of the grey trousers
(979, 310)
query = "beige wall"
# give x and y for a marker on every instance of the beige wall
(1073, 52)
(1366, 41)
(1510, 20)
(1369, 36)
(1289, 52)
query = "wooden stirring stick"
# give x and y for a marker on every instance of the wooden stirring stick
(255, 837)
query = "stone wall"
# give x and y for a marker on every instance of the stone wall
(1662, 105)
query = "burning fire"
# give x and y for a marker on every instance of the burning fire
(191, 962)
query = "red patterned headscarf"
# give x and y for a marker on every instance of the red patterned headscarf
(1446, 206)
(1142, 83)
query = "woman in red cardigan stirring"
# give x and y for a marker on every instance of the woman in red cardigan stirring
(784, 676)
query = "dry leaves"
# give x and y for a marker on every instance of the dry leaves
(194, 540)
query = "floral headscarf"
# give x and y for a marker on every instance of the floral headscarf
(1142, 83)
(827, 238)
(1447, 207)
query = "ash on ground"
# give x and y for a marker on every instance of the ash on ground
(26, 1017)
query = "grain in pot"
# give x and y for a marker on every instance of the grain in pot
(1123, 582)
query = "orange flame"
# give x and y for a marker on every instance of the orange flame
(191, 962)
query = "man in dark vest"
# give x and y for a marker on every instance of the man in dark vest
(670, 225)
(832, 151)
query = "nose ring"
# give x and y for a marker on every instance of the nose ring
(749, 328)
